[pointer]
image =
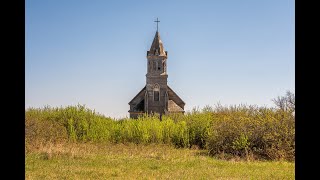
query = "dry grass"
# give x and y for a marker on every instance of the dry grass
(130, 161)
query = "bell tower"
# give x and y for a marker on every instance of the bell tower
(156, 97)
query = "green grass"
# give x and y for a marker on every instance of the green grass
(131, 161)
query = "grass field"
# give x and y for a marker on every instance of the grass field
(154, 161)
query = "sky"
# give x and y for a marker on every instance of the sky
(93, 53)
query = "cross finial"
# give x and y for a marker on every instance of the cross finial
(157, 23)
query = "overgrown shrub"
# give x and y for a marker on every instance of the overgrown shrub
(241, 131)
(265, 133)
(42, 125)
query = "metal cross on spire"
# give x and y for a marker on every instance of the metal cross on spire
(157, 23)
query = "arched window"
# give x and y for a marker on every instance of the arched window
(154, 66)
(146, 102)
(156, 92)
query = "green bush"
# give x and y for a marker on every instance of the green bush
(265, 133)
(42, 125)
(235, 130)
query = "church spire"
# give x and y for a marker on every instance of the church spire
(156, 48)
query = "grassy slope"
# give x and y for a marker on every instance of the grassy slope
(113, 161)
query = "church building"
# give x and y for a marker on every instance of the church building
(156, 96)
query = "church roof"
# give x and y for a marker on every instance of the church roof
(157, 47)
(173, 107)
(175, 97)
(141, 93)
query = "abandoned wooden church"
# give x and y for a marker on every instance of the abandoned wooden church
(156, 96)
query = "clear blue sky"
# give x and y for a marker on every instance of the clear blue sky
(94, 52)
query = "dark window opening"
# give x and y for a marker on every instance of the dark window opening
(156, 95)
(139, 106)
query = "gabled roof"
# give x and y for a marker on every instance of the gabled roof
(177, 97)
(173, 107)
(157, 46)
(142, 90)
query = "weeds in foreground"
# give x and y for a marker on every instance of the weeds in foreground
(242, 131)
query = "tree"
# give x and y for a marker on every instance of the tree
(285, 103)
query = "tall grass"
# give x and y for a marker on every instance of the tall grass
(247, 131)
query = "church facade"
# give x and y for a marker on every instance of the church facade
(156, 96)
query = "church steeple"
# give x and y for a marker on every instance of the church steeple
(156, 48)
(156, 96)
